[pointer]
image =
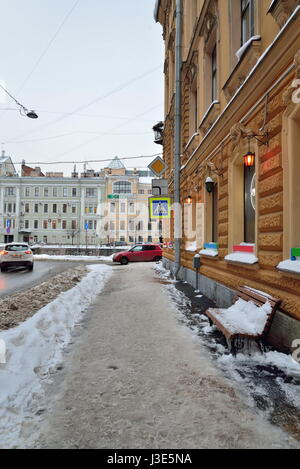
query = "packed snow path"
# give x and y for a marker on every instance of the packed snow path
(135, 377)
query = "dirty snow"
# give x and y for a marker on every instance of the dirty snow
(245, 317)
(35, 349)
(18, 307)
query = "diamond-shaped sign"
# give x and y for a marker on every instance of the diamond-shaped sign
(158, 166)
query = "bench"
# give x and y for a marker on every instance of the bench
(236, 340)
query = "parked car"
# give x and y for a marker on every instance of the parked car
(16, 255)
(140, 252)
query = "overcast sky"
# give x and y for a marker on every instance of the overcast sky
(92, 70)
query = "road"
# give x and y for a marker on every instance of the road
(19, 279)
(136, 377)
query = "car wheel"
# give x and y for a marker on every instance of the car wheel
(157, 259)
(124, 260)
(30, 268)
(3, 268)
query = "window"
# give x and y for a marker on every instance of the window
(247, 20)
(150, 191)
(27, 192)
(10, 191)
(45, 208)
(122, 187)
(137, 248)
(141, 191)
(54, 191)
(149, 226)
(91, 192)
(111, 226)
(74, 192)
(95, 224)
(139, 226)
(46, 192)
(54, 208)
(36, 191)
(90, 224)
(74, 224)
(45, 239)
(36, 208)
(131, 225)
(112, 207)
(249, 209)
(123, 207)
(65, 208)
(73, 208)
(26, 224)
(214, 85)
(131, 207)
(54, 225)
(122, 225)
(45, 224)
(36, 224)
(65, 192)
(131, 239)
(26, 208)
(64, 224)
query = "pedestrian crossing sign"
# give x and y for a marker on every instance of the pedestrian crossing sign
(160, 207)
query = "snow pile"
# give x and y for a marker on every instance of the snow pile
(244, 317)
(209, 252)
(239, 53)
(242, 257)
(35, 348)
(162, 273)
(289, 266)
(48, 257)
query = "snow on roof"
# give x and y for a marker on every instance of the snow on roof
(116, 163)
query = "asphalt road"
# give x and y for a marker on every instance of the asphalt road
(19, 279)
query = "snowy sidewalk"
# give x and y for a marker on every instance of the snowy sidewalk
(135, 378)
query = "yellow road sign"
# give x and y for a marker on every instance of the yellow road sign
(158, 166)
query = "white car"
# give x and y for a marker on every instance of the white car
(16, 255)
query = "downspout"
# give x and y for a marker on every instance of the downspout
(177, 139)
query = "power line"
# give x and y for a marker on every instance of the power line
(48, 46)
(89, 161)
(96, 100)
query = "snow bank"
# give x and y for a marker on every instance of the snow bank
(35, 348)
(245, 317)
(289, 266)
(49, 257)
(242, 257)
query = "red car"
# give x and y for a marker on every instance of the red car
(141, 252)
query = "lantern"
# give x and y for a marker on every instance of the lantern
(189, 200)
(209, 184)
(249, 159)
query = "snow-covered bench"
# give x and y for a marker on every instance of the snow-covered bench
(248, 319)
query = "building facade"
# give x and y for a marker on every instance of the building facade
(54, 209)
(240, 133)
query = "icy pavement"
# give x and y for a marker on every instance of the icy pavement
(136, 377)
(268, 382)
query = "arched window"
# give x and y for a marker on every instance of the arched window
(122, 187)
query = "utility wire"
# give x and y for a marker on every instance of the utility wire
(96, 100)
(89, 161)
(48, 46)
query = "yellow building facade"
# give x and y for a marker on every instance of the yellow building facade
(240, 105)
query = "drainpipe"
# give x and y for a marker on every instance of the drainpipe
(177, 138)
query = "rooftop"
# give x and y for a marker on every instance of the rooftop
(116, 163)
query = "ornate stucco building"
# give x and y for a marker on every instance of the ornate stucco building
(240, 105)
(109, 206)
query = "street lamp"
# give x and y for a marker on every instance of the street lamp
(23, 110)
(158, 133)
